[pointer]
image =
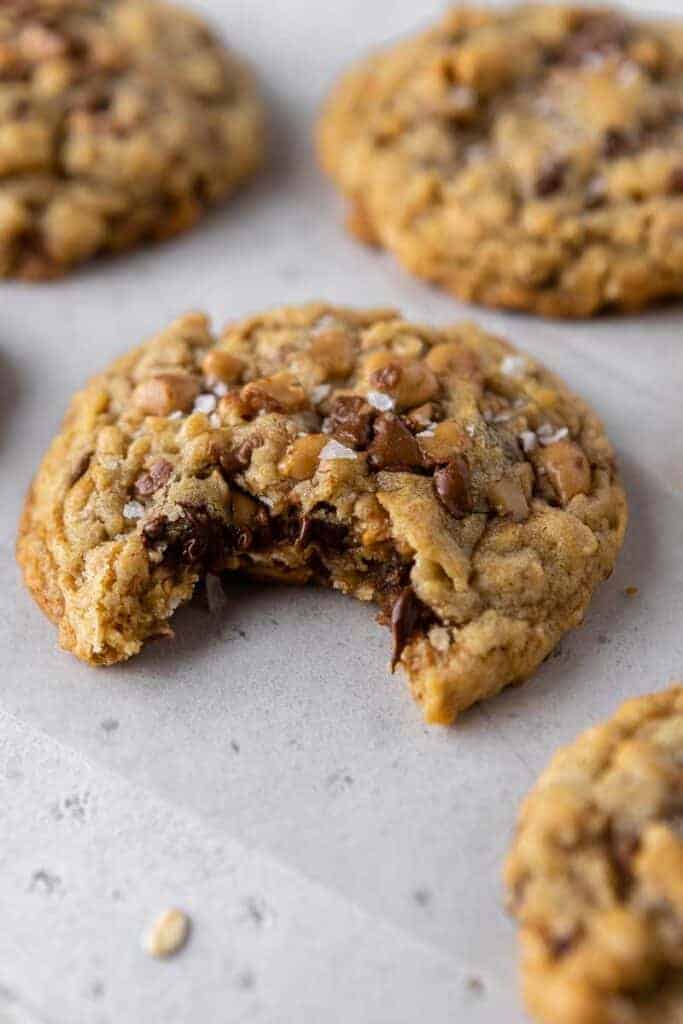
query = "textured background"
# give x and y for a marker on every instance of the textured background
(340, 860)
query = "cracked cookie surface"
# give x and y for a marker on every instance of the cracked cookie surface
(595, 875)
(120, 122)
(440, 473)
(529, 158)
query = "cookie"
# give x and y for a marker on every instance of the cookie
(120, 121)
(439, 473)
(528, 157)
(595, 876)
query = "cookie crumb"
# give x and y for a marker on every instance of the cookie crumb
(631, 591)
(168, 934)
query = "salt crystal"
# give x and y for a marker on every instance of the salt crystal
(335, 450)
(220, 389)
(214, 419)
(528, 440)
(320, 393)
(439, 638)
(133, 510)
(378, 400)
(470, 429)
(463, 96)
(177, 415)
(426, 433)
(205, 403)
(513, 366)
(546, 434)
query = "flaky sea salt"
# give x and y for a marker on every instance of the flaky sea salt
(548, 435)
(214, 419)
(513, 366)
(335, 450)
(133, 510)
(528, 441)
(205, 403)
(320, 393)
(177, 415)
(439, 638)
(462, 96)
(220, 388)
(378, 400)
(426, 433)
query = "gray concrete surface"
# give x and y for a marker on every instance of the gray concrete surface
(340, 861)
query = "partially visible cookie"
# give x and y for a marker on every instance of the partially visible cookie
(120, 121)
(527, 157)
(438, 472)
(595, 875)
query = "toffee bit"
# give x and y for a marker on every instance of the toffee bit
(388, 378)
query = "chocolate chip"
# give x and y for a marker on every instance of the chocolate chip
(616, 142)
(236, 460)
(407, 614)
(451, 483)
(388, 378)
(393, 446)
(328, 536)
(158, 474)
(551, 177)
(197, 538)
(598, 32)
(350, 421)
(676, 180)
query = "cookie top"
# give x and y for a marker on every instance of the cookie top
(528, 157)
(595, 875)
(440, 473)
(120, 120)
